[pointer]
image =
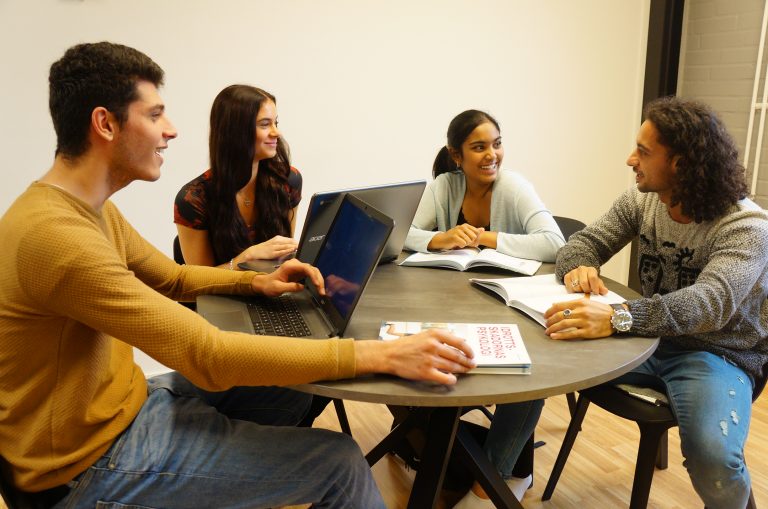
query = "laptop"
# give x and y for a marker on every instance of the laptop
(398, 201)
(346, 259)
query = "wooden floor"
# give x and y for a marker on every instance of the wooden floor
(598, 473)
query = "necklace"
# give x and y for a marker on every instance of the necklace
(246, 201)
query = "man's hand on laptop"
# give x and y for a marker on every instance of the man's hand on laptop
(287, 279)
(433, 355)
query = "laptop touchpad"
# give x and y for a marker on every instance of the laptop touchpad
(230, 320)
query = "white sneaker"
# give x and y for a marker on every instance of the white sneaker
(519, 486)
(472, 501)
(516, 485)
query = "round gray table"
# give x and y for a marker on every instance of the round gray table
(440, 295)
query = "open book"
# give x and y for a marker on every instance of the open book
(534, 295)
(470, 257)
(498, 347)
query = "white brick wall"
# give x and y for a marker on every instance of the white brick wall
(717, 66)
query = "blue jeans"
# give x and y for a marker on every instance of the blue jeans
(712, 400)
(190, 448)
(512, 426)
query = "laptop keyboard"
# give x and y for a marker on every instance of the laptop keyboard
(277, 316)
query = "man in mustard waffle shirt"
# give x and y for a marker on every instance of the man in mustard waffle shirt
(79, 288)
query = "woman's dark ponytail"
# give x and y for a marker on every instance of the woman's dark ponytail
(444, 163)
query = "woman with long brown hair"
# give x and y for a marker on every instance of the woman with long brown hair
(244, 207)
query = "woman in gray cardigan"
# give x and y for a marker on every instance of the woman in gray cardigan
(473, 202)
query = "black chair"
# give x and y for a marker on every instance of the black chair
(14, 498)
(341, 414)
(653, 420)
(568, 226)
(177, 256)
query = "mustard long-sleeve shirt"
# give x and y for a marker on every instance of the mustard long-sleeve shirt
(78, 289)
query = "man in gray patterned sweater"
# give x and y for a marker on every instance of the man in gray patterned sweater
(703, 254)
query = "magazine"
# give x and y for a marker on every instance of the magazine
(498, 347)
(470, 257)
(534, 295)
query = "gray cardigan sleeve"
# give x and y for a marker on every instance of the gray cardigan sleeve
(426, 219)
(525, 227)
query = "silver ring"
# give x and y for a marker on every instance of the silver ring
(566, 313)
(575, 283)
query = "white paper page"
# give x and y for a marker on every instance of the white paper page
(460, 256)
(522, 265)
(540, 292)
(542, 303)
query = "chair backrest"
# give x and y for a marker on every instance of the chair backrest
(568, 226)
(760, 384)
(15, 498)
(177, 256)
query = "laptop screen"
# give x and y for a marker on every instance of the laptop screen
(350, 252)
(398, 201)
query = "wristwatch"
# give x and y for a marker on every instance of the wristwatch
(621, 319)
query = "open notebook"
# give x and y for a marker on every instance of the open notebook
(535, 294)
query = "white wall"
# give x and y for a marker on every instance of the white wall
(365, 89)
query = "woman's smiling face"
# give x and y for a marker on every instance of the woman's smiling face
(481, 154)
(267, 132)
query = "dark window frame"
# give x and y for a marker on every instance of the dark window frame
(662, 63)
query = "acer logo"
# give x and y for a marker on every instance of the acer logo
(316, 238)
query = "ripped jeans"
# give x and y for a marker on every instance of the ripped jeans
(712, 399)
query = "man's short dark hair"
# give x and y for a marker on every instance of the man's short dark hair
(92, 75)
(709, 179)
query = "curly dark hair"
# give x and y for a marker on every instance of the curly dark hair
(709, 178)
(92, 75)
(231, 147)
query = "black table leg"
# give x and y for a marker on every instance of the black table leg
(441, 432)
(443, 428)
(396, 435)
(483, 470)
